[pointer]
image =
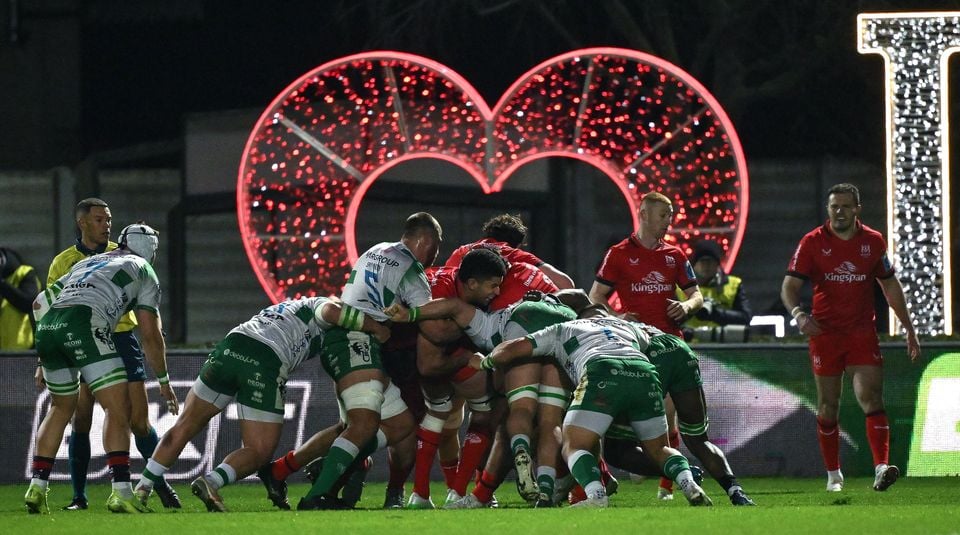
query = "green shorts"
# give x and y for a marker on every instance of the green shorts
(626, 389)
(348, 351)
(247, 370)
(72, 342)
(676, 363)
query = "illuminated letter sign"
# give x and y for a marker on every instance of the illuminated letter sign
(915, 48)
(645, 123)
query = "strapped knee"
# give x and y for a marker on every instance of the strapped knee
(554, 395)
(439, 404)
(366, 395)
(531, 391)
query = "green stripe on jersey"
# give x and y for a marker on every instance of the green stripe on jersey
(353, 275)
(305, 314)
(121, 279)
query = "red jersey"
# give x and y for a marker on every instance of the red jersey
(512, 254)
(842, 273)
(520, 279)
(645, 278)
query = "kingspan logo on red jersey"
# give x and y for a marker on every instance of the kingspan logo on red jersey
(653, 283)
(845, 272)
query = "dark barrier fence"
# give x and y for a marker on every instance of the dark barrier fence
(761, 401)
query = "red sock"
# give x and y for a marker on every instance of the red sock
(674, 438)
(828, 433)
(284, 466)
(878, 434)
(427, 444)
(577, 494)
(398, 474)
(450, 473)
(485, 487)
(475, 445)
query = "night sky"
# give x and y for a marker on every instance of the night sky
(788, 73)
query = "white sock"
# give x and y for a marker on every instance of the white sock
(42, 483)
(595, 490)
(880, 468)
(222, 475)
(548, 471)
(686, 482)
(733, 489)
(518, 438)
(834, 475)
(154, 468)
(124, 489)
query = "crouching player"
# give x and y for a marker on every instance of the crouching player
(251, 366)
(601, 355)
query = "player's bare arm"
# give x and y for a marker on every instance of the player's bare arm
(790, 296)
(155, 350)
(680, 310)
(893, 291)
(599, 292)
(333, 312)
(446, 308)
(561, 279)
(504, 354)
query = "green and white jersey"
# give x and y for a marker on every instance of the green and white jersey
(293, 329)
(487, 330)
(575, 343)
(111, 284)
(387, 272)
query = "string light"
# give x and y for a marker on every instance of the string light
(916, 48)
(318, 147)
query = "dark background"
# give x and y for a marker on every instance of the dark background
(82, 76)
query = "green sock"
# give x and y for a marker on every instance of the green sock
(519, 441)
(584, 468)
(338, 459)
(674, 465)
(547, 480)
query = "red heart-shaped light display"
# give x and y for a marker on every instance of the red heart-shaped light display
(645, 123)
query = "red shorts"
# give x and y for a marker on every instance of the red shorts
(831, 353)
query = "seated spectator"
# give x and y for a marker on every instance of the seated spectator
(724, 300)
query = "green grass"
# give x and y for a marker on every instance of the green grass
(913, 505)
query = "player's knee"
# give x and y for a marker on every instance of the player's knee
(480, 404)
(366, 395)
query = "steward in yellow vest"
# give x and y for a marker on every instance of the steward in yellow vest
(19, 285)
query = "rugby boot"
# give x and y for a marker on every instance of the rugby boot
(312, 470)
(835, 483)
(526, 480)
(353, 488)
(887, 475)
(452, 496)
(697, 497)
(78, 504)
(394, 499)
(738, 497)
(467, 502)
(118, 504)
(276, 489)
(418, 502)
(318, 503)
(36, 500)
(201, 489)
(168, 496)
(599, 500)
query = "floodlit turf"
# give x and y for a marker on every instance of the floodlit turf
(913, 505)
